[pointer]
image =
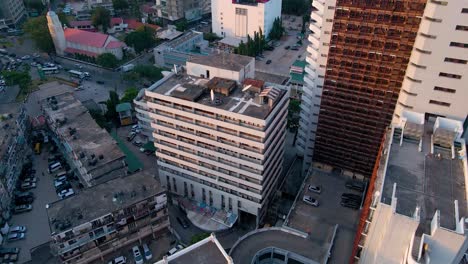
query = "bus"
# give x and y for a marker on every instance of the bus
(50, 70)
(77, 74)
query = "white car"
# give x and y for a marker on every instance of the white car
(17, 229)
(66, 193)
(147, 252)
(26, 57)
(174, 250)
(137, 255)
(309, 200)
(315, 188)
(118, 260)
(28, 185)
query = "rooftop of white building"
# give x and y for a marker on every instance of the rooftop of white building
(228, 95)
(428, 172)
(100, 200)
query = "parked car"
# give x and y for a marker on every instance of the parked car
(31, 179)
(137, 255)
(137, 143)
(15, 236)
(355, 185)
(315, 188)
(118, 260)
(182, 222)
(4, 251)
(294, 48)
(311, 201)
(287, 47)
(135, 128)
(147, 252)
(131, 136)
(268, 61)
(174, 250)
(28, 185)
(100, 82)
(26, 57)
(10, 258)
(35, 55)
(16, 229)
(22, 208)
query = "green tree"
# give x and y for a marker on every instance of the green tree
(34, 4)
(120, 4)
(305, 19)
(198, 237)
(149, 72)
(277, 29)
(101, 18)
(98, 117)
(210, 37)
(182, 25)
(111, 103)
(141, 39)
(63, 18)
(39, 32)
(21, 78)
(107, 60)
(129, 95)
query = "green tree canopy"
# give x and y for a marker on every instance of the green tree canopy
(34, 4)
(120, 4)
(129, 95)
(111, 103)
(101, 18)
(107, 60)
(149, 71)
(141, 39)
(296, 7)
(277, 30)
(253, 46)
(182, 25)
(21, 78)
(63, 18)
(37, 28)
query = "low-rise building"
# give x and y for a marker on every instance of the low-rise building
(107, 4)
(12, 13)
(296, 82)
(89, 149)
(174, 10)
(13, 152)
(416, 204)
(179, 50)
(218, 142)
(117, 24)
(106, 217)
(125, 113)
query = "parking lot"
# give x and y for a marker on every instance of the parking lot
(320, 221)
(36, 220)
(282, 58)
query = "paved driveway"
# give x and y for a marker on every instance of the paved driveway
(36, 221)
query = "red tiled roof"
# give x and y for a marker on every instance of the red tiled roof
(116, 21)
(114, 44)
(254, 83)
(86, 38)
(134, 24)
(84, 52)
(80, 23)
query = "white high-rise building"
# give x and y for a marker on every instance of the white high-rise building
(239, 18)
(435, 81)
(219, 141)
(56, 32)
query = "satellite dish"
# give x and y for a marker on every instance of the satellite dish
(247, 87)
(212, 95)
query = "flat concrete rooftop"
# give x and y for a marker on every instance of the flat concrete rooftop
(194, 89)
(101, 199)
(83, 136)
(206, 253)
(226, 61)
(430, 181)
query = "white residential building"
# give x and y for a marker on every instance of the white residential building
(239, 18)
(416, 206)
(435, 81)
(317, 51)
(223, 148)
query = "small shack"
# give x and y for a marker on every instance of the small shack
(125, 113)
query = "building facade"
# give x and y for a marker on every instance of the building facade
(416, 204)
(436, 74)
(240, 18)
(13, 151)
(223, 148)
(12, 12)
(174, 10)
(107, 4)
(107, 217)
(356, 67)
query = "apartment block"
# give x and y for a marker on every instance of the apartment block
(13, 151)
(12, 12)
(89, 149)
(107, 4)
(416, 203)
(357, 58)
(219, 141)
(239, 18)
(106, 217)
(174, 10)
(435, 79)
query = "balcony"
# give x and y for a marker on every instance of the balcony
(84, 240)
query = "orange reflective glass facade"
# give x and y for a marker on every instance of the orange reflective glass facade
(370, 46)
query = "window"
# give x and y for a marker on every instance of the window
(450, 75)
(442, 89)
(413, 80)
(409, 93)
(439, 103)
(427, 35)
(465, 10)
(418, 66)
(444, 3)
(423, 51)
(175, 184)
(455, 60)
(405, 106)
(458, 44)
(437, 20)
(459, 27)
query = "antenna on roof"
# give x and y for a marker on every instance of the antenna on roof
(246, 88)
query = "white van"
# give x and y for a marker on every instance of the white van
(55, 167)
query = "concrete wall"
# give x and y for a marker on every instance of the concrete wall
(239, 76)
(437, 30)
(226, 23)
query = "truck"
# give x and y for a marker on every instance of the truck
(128, 67)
